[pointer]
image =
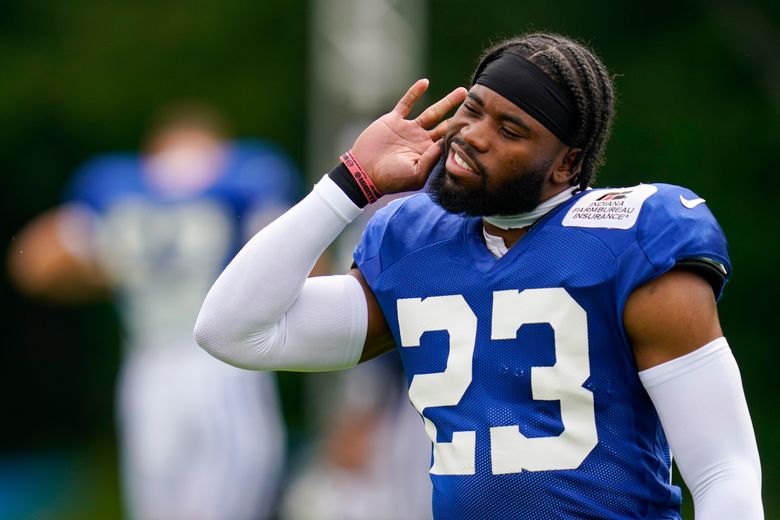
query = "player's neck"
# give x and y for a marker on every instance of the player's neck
(510, 236)
(512, 227)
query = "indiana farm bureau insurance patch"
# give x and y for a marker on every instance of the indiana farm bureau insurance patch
(610, 208)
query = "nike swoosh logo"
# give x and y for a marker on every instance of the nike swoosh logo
(690, 204)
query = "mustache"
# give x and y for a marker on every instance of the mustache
(468, 150)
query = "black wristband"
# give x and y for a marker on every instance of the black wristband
(344, 180)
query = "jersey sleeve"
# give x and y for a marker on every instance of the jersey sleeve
(405, 225)
(367, 253)
(96, 182)
(264, 182)
(677, 229)
(265, 175)
(87, 197)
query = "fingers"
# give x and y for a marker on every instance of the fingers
(404, 106)
(428, 159)
(439, 131)
(438, 110)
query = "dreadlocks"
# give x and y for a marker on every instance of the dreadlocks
(576, 68)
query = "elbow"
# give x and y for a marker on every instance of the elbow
(237, 348)
(210, 338)
(215, 330)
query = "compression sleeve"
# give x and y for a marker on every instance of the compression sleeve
(264, 313)
(702, 407)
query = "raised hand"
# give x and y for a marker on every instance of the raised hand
(398, 153)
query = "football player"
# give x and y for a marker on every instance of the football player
(199, 439)
(561, 343)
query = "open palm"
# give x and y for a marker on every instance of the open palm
(399, 153)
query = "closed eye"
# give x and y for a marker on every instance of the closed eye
(509, 133)
(470, 109)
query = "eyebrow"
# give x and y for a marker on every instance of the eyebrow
(502, 115)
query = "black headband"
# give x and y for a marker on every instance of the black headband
(530, 88)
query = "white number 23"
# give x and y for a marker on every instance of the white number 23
(510, 450)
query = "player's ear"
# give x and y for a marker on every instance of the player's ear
(568, 167)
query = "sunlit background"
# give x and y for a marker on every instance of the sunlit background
(699, 105)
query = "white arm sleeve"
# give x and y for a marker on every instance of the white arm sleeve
(264, 313)
(702, 407)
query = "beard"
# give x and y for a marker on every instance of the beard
(519, 193)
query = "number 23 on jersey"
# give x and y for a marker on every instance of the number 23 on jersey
(510, 450)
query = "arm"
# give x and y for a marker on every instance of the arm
(378, 337)
(693, 380)
(52, 257)
(264, 313)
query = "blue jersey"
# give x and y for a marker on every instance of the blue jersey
(520, 366)
(163, 247)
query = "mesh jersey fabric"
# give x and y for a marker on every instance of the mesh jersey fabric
(577, 440)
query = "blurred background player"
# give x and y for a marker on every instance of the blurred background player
(198, 439)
